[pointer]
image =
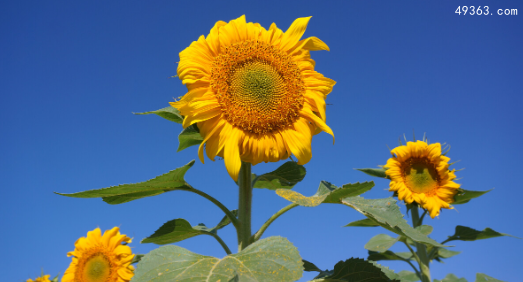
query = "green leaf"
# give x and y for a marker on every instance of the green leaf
(390, 255)
(175, 230)
(353, 270)
(55, 279)
(387, 214)
(380, 243)
(377, 172)
(326, 193)
(464, 196)
(451, 278)
(224, 222)
(480, 277)
(270, 259)
(367, 222)
(464, 233)
(284, 177)
(407, 276)
(446, 253)
(388, 272)
(169, 113)
(113, 195)
(425, 229)
(190, 136)
(309, 266)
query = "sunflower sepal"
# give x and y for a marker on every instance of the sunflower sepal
(464, 196)
(190, 136)
(174, 263)
(169, 113)
(326, 193)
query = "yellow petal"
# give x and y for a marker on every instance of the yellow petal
(294, 33)
(231, 156)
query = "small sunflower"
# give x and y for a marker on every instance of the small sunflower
(43, 278)
(253, 93)
(100, 258)
(420, 173)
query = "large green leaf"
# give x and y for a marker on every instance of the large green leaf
(390, 255)
(386, 213)
(464, 233)
(464, 196)
(168, 113)
(451, 278)
(326, 193)
(190, 136)
(170, 181)
(367, 222)
(270, 259)
(353, 270)
(377, 172)
(380, 243)
(176, 230)
(284, 177)
(480, 277)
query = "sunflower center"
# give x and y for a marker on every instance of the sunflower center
(258, 86)
(97, 269)
(421, 176)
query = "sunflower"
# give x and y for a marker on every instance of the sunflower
(253, 93)
(43, 278)
(100, 258)
(420, 173)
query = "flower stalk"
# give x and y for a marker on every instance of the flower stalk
(421, 249)
(244, 206)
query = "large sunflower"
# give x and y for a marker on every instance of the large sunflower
(43, 278)
(420, 173)
(253, 93)
(100, 258)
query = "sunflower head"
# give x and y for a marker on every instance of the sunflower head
(43, 278)
(101, 258)
(420, 173)
(253, 92)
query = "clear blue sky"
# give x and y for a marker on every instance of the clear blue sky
(72, 73)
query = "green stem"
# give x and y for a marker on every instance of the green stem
(415, 257)
(244, 206)
(229, 214)
(224, 246)
(408, 260)
(262, 229)
(421, 249)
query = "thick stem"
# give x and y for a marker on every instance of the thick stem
(273, 218)
(244, 206)
(421, 249)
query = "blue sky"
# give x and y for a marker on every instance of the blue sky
(72, 74)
